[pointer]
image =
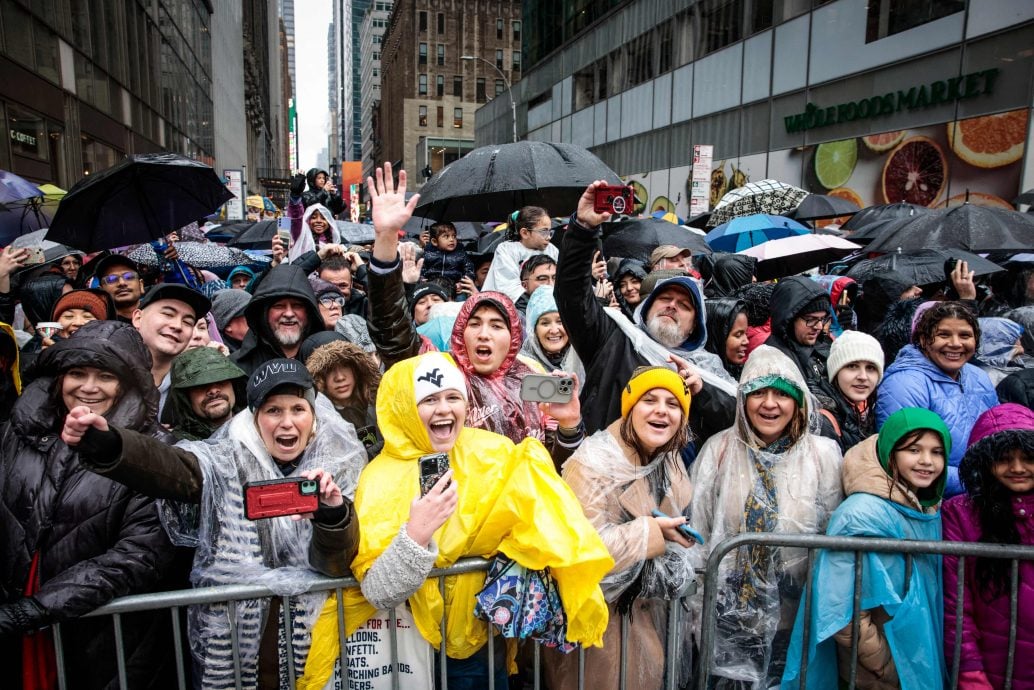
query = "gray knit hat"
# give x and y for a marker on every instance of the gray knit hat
(853, 346)
(228, 305)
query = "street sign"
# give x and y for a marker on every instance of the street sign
(700, 179)
(234, 181)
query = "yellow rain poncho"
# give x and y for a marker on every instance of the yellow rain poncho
(511, 500)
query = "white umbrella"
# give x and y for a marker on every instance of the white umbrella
(792, 255)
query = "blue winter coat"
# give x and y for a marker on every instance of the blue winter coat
(915, 629)
(914, 381)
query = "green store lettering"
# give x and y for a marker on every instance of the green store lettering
(958, 88)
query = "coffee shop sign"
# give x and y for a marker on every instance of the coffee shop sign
(959, 88)
(23, 138)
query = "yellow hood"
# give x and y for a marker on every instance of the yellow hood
(510, 500)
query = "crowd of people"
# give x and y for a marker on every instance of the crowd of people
(705, 405)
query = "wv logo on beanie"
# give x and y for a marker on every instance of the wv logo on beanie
(434, 373)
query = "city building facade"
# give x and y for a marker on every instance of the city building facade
(874, 100)
(371, 33)
(429, 92)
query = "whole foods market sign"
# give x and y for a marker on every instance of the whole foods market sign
(959, 88)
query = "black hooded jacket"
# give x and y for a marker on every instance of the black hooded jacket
(721, 317)
(96, 539)
(39, 296)
(789, 299)
(879, 292)
(313, 195)
(729, 272)
(259, 345)
(633, 268)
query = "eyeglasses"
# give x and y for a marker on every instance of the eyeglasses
(816, 321)
(545, 232)
(128, 277)
(329, 302)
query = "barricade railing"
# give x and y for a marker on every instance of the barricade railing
(175, 602)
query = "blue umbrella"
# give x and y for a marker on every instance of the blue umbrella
(13, 188)
(749, 231)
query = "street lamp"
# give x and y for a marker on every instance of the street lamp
(509, 91)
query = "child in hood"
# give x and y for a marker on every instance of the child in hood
(894, 483)
(997, 472)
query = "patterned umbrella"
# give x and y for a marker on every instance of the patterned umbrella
(196, 254)
(767, 196)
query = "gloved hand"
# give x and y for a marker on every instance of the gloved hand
(21, 616)
(297, 184)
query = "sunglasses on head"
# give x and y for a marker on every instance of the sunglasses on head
(113, 278)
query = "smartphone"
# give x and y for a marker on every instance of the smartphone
(283, 231)
(616, 199)
(550, 389)
(35, 255)
(685, 530)
(278, 497)
(432, 468)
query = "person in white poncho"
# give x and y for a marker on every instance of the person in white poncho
(769, 472)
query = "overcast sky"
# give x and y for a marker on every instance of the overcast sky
(311, 19)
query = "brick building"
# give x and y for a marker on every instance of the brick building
(428, 93)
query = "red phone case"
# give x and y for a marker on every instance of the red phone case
(278, 497)
(613, 199)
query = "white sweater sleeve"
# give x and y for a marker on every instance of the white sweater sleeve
(398, 572)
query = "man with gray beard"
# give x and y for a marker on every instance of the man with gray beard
(668, 329)
(282, 313)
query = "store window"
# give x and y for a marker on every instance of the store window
(28, 133)
(457, 117)
(422, 116)
(888, 17)
(97, 156)
(422, 85)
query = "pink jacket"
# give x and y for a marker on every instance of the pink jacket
(985, 625)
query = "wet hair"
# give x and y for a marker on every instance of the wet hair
(524, 218)
(933, 316)
(334, 262)
(993, 503)
(533, 262)
(438, 228)
(674, 445)
(903, 443)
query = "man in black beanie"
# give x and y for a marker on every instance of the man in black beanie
(801, 312)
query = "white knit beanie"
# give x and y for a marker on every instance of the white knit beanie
(853, 346)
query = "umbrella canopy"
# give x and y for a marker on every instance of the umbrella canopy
(141, 199)
(791, 255)
(636, 238)
(971, 227)
(699, 221)
(464, 230)
(749, 231)
(922, 267)
(255, 235)
(355, 233)
(492, 181)
(818, 206)
(31, 214)
(196, 254)
(868, 222)
(13, 188)
(767, 196)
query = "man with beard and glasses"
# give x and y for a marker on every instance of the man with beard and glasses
(165, 320)
(120, 277)
(668, 329)
(204, 393)
(282, 313)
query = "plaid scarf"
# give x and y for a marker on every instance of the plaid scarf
(760, 513)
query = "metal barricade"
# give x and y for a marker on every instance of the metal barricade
(175, 602)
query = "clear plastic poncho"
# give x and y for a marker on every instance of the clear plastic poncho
(740, 485)
(618, 497)
(273, 552)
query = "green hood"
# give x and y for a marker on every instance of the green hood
(198, 367)
(904, 422)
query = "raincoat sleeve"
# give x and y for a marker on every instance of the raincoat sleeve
(575, 299)
(953, 523)
(150, 467)
(391, 328)
(134, 563)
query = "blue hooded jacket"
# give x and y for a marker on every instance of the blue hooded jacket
(697, 339)
(914, 381)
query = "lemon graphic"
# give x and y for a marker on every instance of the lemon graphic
(835, 161)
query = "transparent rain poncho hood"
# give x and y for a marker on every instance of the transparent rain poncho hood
(271, 552)
(740, 485)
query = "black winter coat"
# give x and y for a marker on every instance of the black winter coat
(312, 195)
(259, 345)
(608, 354)
(448, 266)
(97, 539)
(789, 298)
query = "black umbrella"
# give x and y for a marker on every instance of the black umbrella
(867, 223)
(141, 199)
(970, 227)
(491, 181)
(257, 235)
(818, 206)
(922, 267)
(636, 238)
(699, 221)
(464, 230)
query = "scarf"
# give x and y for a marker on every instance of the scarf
(760, 514)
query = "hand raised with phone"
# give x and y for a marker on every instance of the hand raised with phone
(430, 511)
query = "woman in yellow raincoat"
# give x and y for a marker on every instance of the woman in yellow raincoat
(497, 497)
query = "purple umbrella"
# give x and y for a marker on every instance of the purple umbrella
(13, 188)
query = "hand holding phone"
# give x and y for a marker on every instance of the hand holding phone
(684, 529)
(433, 508)
(432, 468)
(280, 497)
(546, 388)
(614, 199)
